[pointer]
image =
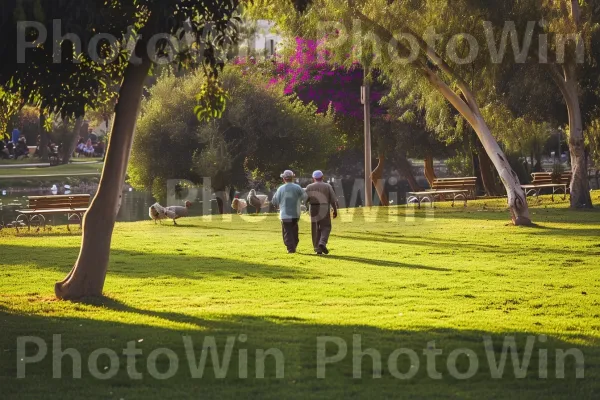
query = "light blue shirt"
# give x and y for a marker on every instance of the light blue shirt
(288, 198)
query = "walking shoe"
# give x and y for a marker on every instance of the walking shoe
(323, 249)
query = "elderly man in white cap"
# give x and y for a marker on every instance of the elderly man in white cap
(321, 198)
(288, 198)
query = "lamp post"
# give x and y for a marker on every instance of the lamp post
(366, 101)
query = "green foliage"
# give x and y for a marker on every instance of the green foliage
(9, 106)
(521, 135)
(167, 134)
(460, 165)
(212, 100)
(260, 133)
(592, 135)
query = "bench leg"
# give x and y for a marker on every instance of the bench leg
(40, 220)
(22, 218)
(460, 196)
(409, 200)
(78, 216)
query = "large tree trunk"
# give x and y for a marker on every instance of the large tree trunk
(517, 200)
(580, 187)
(88, 275)
(569, 87)
(406, 170)
(69, 147)
(487, 174)
(379, 182)
(429, 170)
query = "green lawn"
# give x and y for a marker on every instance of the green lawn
(36, 160)
(77, 168)
(399, 280)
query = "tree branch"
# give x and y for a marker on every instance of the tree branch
(576, 13)
(430, 53)
(559, 78)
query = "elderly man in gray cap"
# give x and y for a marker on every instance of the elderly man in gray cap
(321, 198)
(288, 198)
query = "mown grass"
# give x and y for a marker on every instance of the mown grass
(398, 278)
(74, 169)
(45, 177)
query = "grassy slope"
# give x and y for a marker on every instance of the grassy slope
(36, 177)
(75, 168)
(398, 283)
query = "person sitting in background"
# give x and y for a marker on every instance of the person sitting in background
(88, 150)
(21, 150)
(3, 150)
(79, 150)
(10, 147)
(99, 149)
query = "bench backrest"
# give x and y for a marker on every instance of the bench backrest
(59, 202)
(541, 178)
(455, 183)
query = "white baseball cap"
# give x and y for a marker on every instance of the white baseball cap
(317, 174)
(287, 174)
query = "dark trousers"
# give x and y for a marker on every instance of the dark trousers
(289, 229)
(320, 224)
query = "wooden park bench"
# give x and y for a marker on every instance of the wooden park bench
(430, 196)
(469, 184)
(73, 206)
(546, 180)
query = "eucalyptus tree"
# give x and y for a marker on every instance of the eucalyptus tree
(444, 75)
(572, 23)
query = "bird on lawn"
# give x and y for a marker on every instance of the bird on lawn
(158, 212)
(257, 201)
(239, 204)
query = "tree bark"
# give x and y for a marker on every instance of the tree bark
(429, 170)
(580, 186)
(406, 170)
(89, 272)
(487, 176)
(379, 182)
(69, 148)
(43, 139)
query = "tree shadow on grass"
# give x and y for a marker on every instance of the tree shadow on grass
(539, 215)
(297, 341)
(384, 263)
(450, 245)
(135, 264)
